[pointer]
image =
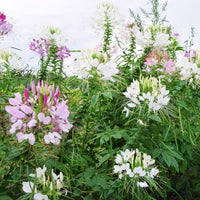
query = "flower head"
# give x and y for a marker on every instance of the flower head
(135, 165)
(52, 114)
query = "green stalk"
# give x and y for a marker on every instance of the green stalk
(180, 119)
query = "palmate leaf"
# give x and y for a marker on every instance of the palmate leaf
(170, 160)
(170, 156)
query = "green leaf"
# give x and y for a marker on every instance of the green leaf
(155, 118)
(5, 198)
(117, 135)
(104, 139)
(170, 160)
(94, 100)
(156, 153)
(107, 94)
(103, 159)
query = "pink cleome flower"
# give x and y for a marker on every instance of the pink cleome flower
(159, 61)
(52, 114)
(5, 27)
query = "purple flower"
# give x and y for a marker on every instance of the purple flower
(53, 114)
(190, 54)
(62, 52)
(53, 138)
(5, 27)
(2, 17)
(169, 66)
(30, 137)
(41, 47)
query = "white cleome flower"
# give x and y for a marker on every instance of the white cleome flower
(143, 39)
(55, 35)
(27, 187)
(117, 169)
(108, 70)
(118, 159)
(133, 90)
(187, 69)
(111, 11)
(40, 172)
(40, 196)
(147, 160)
(161, 40)
(10, 59)
(153, 172)
(139, 170)
(127, 154)
(142, 184)
(136, 166)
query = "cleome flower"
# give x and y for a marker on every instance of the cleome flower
(5, 27)
(9, 60)
(110, 11)
(90, 61)
(139, 167)
(155, 36)
(188, 66)
(146, 91)
(43, 186)
(43, 47)
(41, 110)
(159, 61)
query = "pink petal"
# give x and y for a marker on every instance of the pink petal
(41, 117)
(26, 109)
(32, 123)
(20, 137)
(47, 120)
(17, 100)
(57, 135)
(62, 110)
(46, 139)
(31, 139)
(14, 111)
(16, 126)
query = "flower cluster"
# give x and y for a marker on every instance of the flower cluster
(43, 48)
(44, 186)
(159, 61)
(149, 91)
(187, 66)
(62, 52)
(135, 165)
(157, 37)
(54, 35)
(127, 31)
(40, 46)
(82, 65)
(5, 27)
(110, 11)
(41, 114)
(10, 60)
